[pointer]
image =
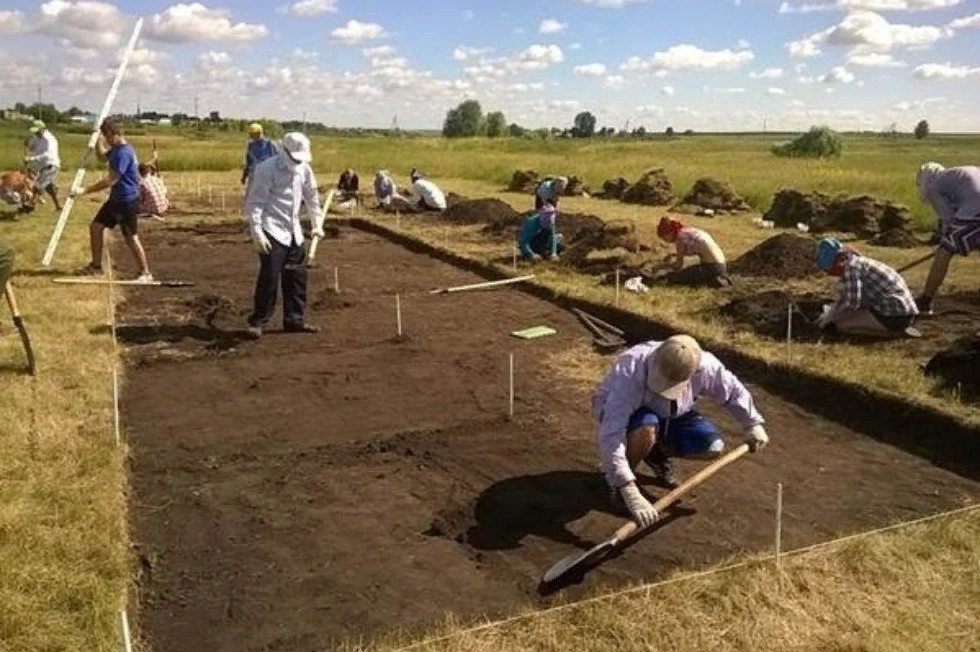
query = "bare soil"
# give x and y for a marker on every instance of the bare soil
(786, 255)
(293, 491)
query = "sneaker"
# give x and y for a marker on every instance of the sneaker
(301, 328)
(145, 278)
(90, 270)
(253, 332)
(924, 304)
(663, 471)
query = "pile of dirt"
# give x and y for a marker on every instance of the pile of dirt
(524, 181)
(614, 188)
(766, 313)
(714, 194)
(588, 235)
(477, 211)
(864, 215)
(901, 238)
(452, 199)
(957, 367)
(786, 255)
(211, 308)
(653, 189)
(576, 187)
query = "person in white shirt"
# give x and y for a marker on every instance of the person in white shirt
(426, 195)
(43, 158)
(277, 187)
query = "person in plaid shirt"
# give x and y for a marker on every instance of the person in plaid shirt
(711, 270)
(153, 192)
(874, 298)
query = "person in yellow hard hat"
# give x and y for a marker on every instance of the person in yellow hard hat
(259, 149)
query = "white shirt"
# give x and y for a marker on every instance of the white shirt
(42, 150)
(429, 193)
(274, 197)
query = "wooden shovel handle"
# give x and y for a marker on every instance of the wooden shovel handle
(8, 291)
(630, 528)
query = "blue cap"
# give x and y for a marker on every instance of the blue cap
(827, 251)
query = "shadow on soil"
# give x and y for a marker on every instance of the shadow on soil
(173, 333)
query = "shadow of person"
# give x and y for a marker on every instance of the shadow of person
(171, 334)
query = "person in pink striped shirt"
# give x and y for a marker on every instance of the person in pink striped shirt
(711, 270)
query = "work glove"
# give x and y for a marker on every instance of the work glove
(262, 244)
(756, 437)
(825, 320)
(317, 232)
(643, 512)
(75, 193)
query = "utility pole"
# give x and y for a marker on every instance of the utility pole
(304, 122)
(40, 109)
(196, 114)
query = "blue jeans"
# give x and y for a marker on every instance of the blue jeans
(689, 435)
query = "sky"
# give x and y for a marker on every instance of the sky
(707, 65)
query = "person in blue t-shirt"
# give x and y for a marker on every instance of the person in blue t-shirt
(259, 149)
(538, 237)
(123, 205)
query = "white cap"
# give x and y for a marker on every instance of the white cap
(297, 146)
(672, 366)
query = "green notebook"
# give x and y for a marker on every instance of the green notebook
(534, 333)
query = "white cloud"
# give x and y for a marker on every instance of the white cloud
(213, 58)
(775, 91)
(141, 55)
(468, 15)
(304, 55)
(838, 74)
(947, 70)
(743, 44)
(865, 32)
(11, 22)
(919, 105)
(83, 23)
(726, 91)
(689, 57)
(464, 53)
(615, 81)
(564, 104)
(524, 87)
(768, 73)
(875, 60)
(378, 51)
(591, 70)
(649, 109)
(355, 32)
(668, 91)
(551, 26)
(575, 46)
(196, 22)
(313, 7)
(966, 22)
(538, 57)
(610, 4)
(807, 6)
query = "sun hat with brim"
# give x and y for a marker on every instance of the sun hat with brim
(672, 365)
(827, 251)
(297, 146)
(38, 125)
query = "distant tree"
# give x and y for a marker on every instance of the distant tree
(543, 133)
(921, 129)
(177, 119)
(688, 132)
(640, 132)
(584, 126)
(464, 121)
(496, 124)
(819, 142)
(516, 131)
(669, 132)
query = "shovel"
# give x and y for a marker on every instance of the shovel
(916, 263)
(314, 245)
(629, 530)
(22, 329)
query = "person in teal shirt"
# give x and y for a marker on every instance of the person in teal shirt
(539, 237)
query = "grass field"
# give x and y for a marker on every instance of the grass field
(64, 563)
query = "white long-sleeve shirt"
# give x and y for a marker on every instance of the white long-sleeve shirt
(274, 198)
(429, 193)
(42, 150)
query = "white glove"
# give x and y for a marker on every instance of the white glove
(317, 232)
(75, 193)
(756, 437)
(261, 242)
(826, 318)
(643, 512)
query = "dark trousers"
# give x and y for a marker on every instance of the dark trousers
(289, 265)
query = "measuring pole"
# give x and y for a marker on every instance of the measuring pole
(59, 227)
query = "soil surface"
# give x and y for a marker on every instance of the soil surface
(863, 215)
(710, 193)
(959, 367)
(293, 491)
(786, 255)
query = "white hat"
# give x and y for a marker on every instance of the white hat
(297, 146)
(672, 366)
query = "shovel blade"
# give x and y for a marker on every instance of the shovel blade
(26, 341)
(578, 560)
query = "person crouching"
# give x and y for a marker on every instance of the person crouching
(539, 237)
(711, 269)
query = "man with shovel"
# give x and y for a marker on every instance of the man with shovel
(645, 407)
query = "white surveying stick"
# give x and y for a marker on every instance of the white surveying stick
(59, 227)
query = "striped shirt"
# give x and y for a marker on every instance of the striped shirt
(153, 196)
(868, 283)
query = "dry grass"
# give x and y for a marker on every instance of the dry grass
(914, 589)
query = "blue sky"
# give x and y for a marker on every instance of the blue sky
(700, 64)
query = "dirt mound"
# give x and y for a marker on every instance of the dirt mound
(864, 215)
(588, 236)
(614, 188)
(714, 194)
(576, 187)
(653, 189)
(957, 367)
(452, 199)
(477, 211)
(766, 313)
(786, 255)
(900, 238)
(212, 307)
(523, 181)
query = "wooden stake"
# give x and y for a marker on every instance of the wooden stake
(515, 257)
(789, 324)
(779, 525)
(398, 314)
(199, 185)
(223, 204)
(210, 194)
(511, 411)
(336, 280)
(482, 286)
(126, 636)
(617, 286)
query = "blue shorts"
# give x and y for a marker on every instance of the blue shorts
(687, 435)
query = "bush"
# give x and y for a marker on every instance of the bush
(922, 130)
(819, 142)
